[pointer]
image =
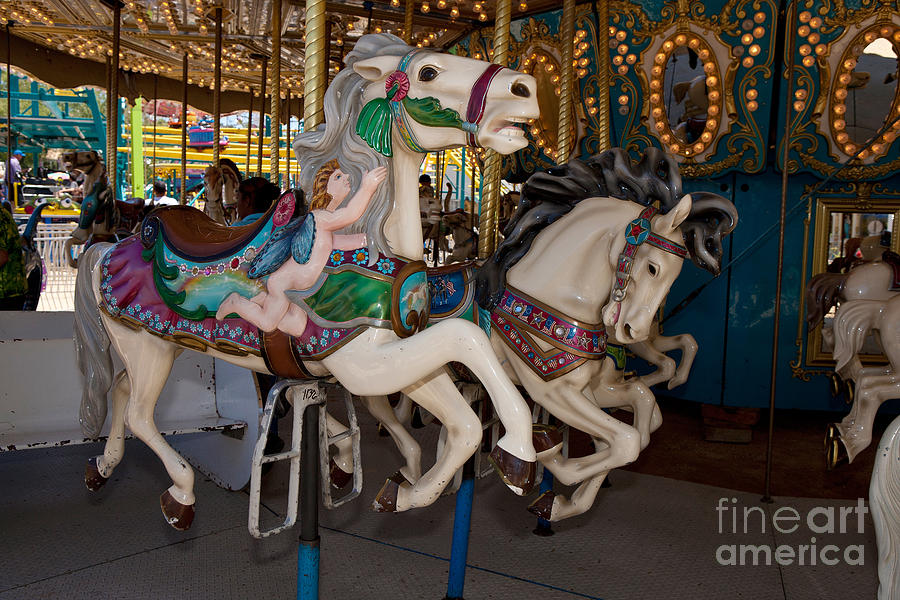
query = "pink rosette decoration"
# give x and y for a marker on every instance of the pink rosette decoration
(402, 81)
(284, 210)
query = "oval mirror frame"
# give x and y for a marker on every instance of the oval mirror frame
(543, 63)
(715, 94)
(839, 91)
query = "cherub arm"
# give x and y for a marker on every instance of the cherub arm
(332, 220)
(349, 241)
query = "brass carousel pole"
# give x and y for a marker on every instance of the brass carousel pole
(408, 22)
(490, 193)
(217, 82)
(788, 106)
(275, 139)
(155, 110)
(112, 100)
(10, 192)
(603, 69)
(566, 37)
(314, 77)
(249, 130)
(289, 149)
(262, 115)
(184, 106)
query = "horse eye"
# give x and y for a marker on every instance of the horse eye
(653, 269)
(427, 74)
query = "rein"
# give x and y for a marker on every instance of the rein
(637, 232)
(377, 116)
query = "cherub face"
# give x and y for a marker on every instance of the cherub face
(338, 186)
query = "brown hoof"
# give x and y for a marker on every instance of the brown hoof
(339, 477)
(92, 477)
(545, 437)
(849, 390)
(178, 515)
(542, 507)
(517, 474)
(836, 382)
(386, 500)
(836, 455)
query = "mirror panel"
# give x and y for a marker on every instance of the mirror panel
(850, 231)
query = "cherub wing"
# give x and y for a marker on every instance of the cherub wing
(302, 242)
(281, 245)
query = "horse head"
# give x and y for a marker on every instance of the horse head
(647, 260)
(437, 101)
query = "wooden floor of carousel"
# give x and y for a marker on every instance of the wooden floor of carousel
(647, 537)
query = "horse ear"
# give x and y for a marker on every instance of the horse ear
(376, 68)
(670, 221)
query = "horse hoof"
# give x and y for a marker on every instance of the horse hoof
(836, 384)
(92, 477)
(386, 500)
(849, 391)
(178, 515)
(831, 434)
(517, 474)
(542, 507)
(339, 477)
(545, 437)
(836, 454)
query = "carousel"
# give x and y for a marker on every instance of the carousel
(603, 276)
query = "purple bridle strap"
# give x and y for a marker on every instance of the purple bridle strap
(477, 101)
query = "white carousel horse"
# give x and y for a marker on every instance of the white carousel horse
(884, 499)
(391, 105)
(102, 218)
(667, 370)
(221, 183)
(861, 295)
(551, 266)
(465, 240)
(853, 321)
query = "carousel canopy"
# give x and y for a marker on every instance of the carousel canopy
(66, 43)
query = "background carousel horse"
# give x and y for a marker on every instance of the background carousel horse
(874, 283)
(34, 264)
(153, 295)
(853, 321)
(465, 240)
(221, 183)
(568, 218)
(102, 218)
(884, 498)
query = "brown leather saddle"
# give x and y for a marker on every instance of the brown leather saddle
(191, 234)
(131, 212)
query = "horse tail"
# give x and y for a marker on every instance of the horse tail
(884, 499)
(91, 345)
(822, 292)
(852, 323)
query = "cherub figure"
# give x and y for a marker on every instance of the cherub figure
(294, 257)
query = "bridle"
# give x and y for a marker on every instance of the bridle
(638, 232)
(398, 107)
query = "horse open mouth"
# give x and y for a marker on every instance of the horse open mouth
(511, 127)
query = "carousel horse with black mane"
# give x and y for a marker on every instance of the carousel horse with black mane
(103, 218)
(588, 258)
(153, 295)
(863, 297)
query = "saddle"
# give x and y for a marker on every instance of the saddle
(130, 212)
(191, 234)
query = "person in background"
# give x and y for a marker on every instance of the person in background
(13, 175)
(159, 195)
(12, 264)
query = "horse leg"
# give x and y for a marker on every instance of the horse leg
(100, 468)
(665, 366)
(409, 448)
(553, 507)
(366, 367)
(438, 394)
(341, 464)
(148, 361)
(688, 346)
(610, 390)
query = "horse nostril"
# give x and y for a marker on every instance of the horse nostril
(521, 90)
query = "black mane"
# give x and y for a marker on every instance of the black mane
(551, 194)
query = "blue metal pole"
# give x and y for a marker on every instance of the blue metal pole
(543, 525)
(308, 548)
(462, 521)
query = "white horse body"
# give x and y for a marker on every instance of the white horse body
(377, 361)
(884, 498)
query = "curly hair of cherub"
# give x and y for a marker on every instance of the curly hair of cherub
(320, 196)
